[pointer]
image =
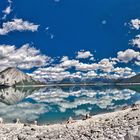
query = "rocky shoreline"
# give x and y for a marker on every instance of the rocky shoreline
(120, 125)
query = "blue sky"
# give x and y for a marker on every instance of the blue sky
(66, 27)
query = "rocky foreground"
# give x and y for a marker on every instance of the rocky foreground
(120, 125)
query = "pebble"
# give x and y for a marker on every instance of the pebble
(120, 125)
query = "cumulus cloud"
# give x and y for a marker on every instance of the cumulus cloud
(90, 74)
(50, 74)
(127, 55)
(136, 41)
(52, 69)
(84, 54)
(25, 57)
(67, 63)
(86, 67)
(135, 24)
(123, 72)
(64, 58)
(106, 65)
(119, 72)
(17, 25)
(104, 68)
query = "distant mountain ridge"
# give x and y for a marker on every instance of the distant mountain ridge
(86, 81)
(13, 76)
(101, 80)
(134, 79)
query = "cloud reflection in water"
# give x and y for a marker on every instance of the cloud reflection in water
(58, 103)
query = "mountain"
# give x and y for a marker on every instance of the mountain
(86, 80)
(134, 79)
(101, 80)
(13, 76)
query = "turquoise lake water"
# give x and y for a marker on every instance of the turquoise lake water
(57, 104)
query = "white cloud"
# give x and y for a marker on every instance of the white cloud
(84, 54)
(106, 65)
(135, 24)
(17, 25)
(52, 69)
(127, 55)
(137, 63)
(25, 57)
(136, 41)
(104, 68)
(64, 58)
(90, 74)
(7, 10)
(92, 59)
(66, 63)
(123, 72)
(51, 74)
(86, 67)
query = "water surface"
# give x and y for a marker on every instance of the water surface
(57, 104)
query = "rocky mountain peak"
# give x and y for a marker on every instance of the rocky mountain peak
(11, 76)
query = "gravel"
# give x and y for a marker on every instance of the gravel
(119, 125)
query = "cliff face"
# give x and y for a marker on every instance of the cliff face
(12, 76)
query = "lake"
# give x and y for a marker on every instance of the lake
(57, 104)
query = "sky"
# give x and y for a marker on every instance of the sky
(56, 39)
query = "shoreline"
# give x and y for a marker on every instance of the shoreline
(119, 125)
(84, 84)
(69, 85)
